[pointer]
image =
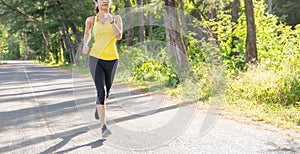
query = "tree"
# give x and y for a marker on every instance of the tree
(150, 28)
(251, 49)
(3, 39)
(212, 15)
(199, 11)
(235, 9)
(128, 27)
(41, 20)
(173, 34)
(14, 47)
(182, 16)
(213, 37)
(17, 19)
(141, 22)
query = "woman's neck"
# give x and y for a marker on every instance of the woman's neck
(103, 11)
(102, 15)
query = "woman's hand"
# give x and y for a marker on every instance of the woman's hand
(117, 26)
(85, 50)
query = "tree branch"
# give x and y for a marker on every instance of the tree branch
(18, 11)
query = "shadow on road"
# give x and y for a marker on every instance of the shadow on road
(65, 140)
(148, 113)
(55, 108)
(95, 144)
(292, 147)
(66, 135)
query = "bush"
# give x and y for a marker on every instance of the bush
(154, 66)
(151, 70)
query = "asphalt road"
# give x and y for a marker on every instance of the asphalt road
(44, 110)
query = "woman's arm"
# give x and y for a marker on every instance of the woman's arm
(118, 27)
(87, 34)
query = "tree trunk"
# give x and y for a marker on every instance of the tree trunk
(182, 17)
(46, 38)
(76, 33)
(24, 47)
(212, 15)
(251, 50)
(150, 29)
(141, 22)
(63, 48)
(78, 41)
(174, 39)
(68, 43)
(214, 43)
(64, 42)
(128, 24)
(235, 9)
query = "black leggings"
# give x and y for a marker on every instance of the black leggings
(103, 71)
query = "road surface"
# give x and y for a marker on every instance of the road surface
(44, 110)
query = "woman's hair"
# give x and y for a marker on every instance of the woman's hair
(96, 10)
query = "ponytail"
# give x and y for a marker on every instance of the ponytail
(96, 10)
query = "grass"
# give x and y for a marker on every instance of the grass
(275, 114)
(270, 96)
(79, 68)
(66, 67)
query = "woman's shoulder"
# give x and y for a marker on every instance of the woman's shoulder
(118, 17)
(90, 19)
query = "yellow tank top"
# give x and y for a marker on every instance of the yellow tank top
(104, 46)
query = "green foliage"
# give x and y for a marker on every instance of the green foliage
(147, 66)
(231, 39)
(275, 96)
(287, 11)
(34, 18)
(56, 55)
(159, 33)
(268, 92)
(149, 70)
(274, 41)
(13, 48)
(263, 86)
(3, 43)
(199, 57)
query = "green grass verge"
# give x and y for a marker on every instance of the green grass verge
(80, 68)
